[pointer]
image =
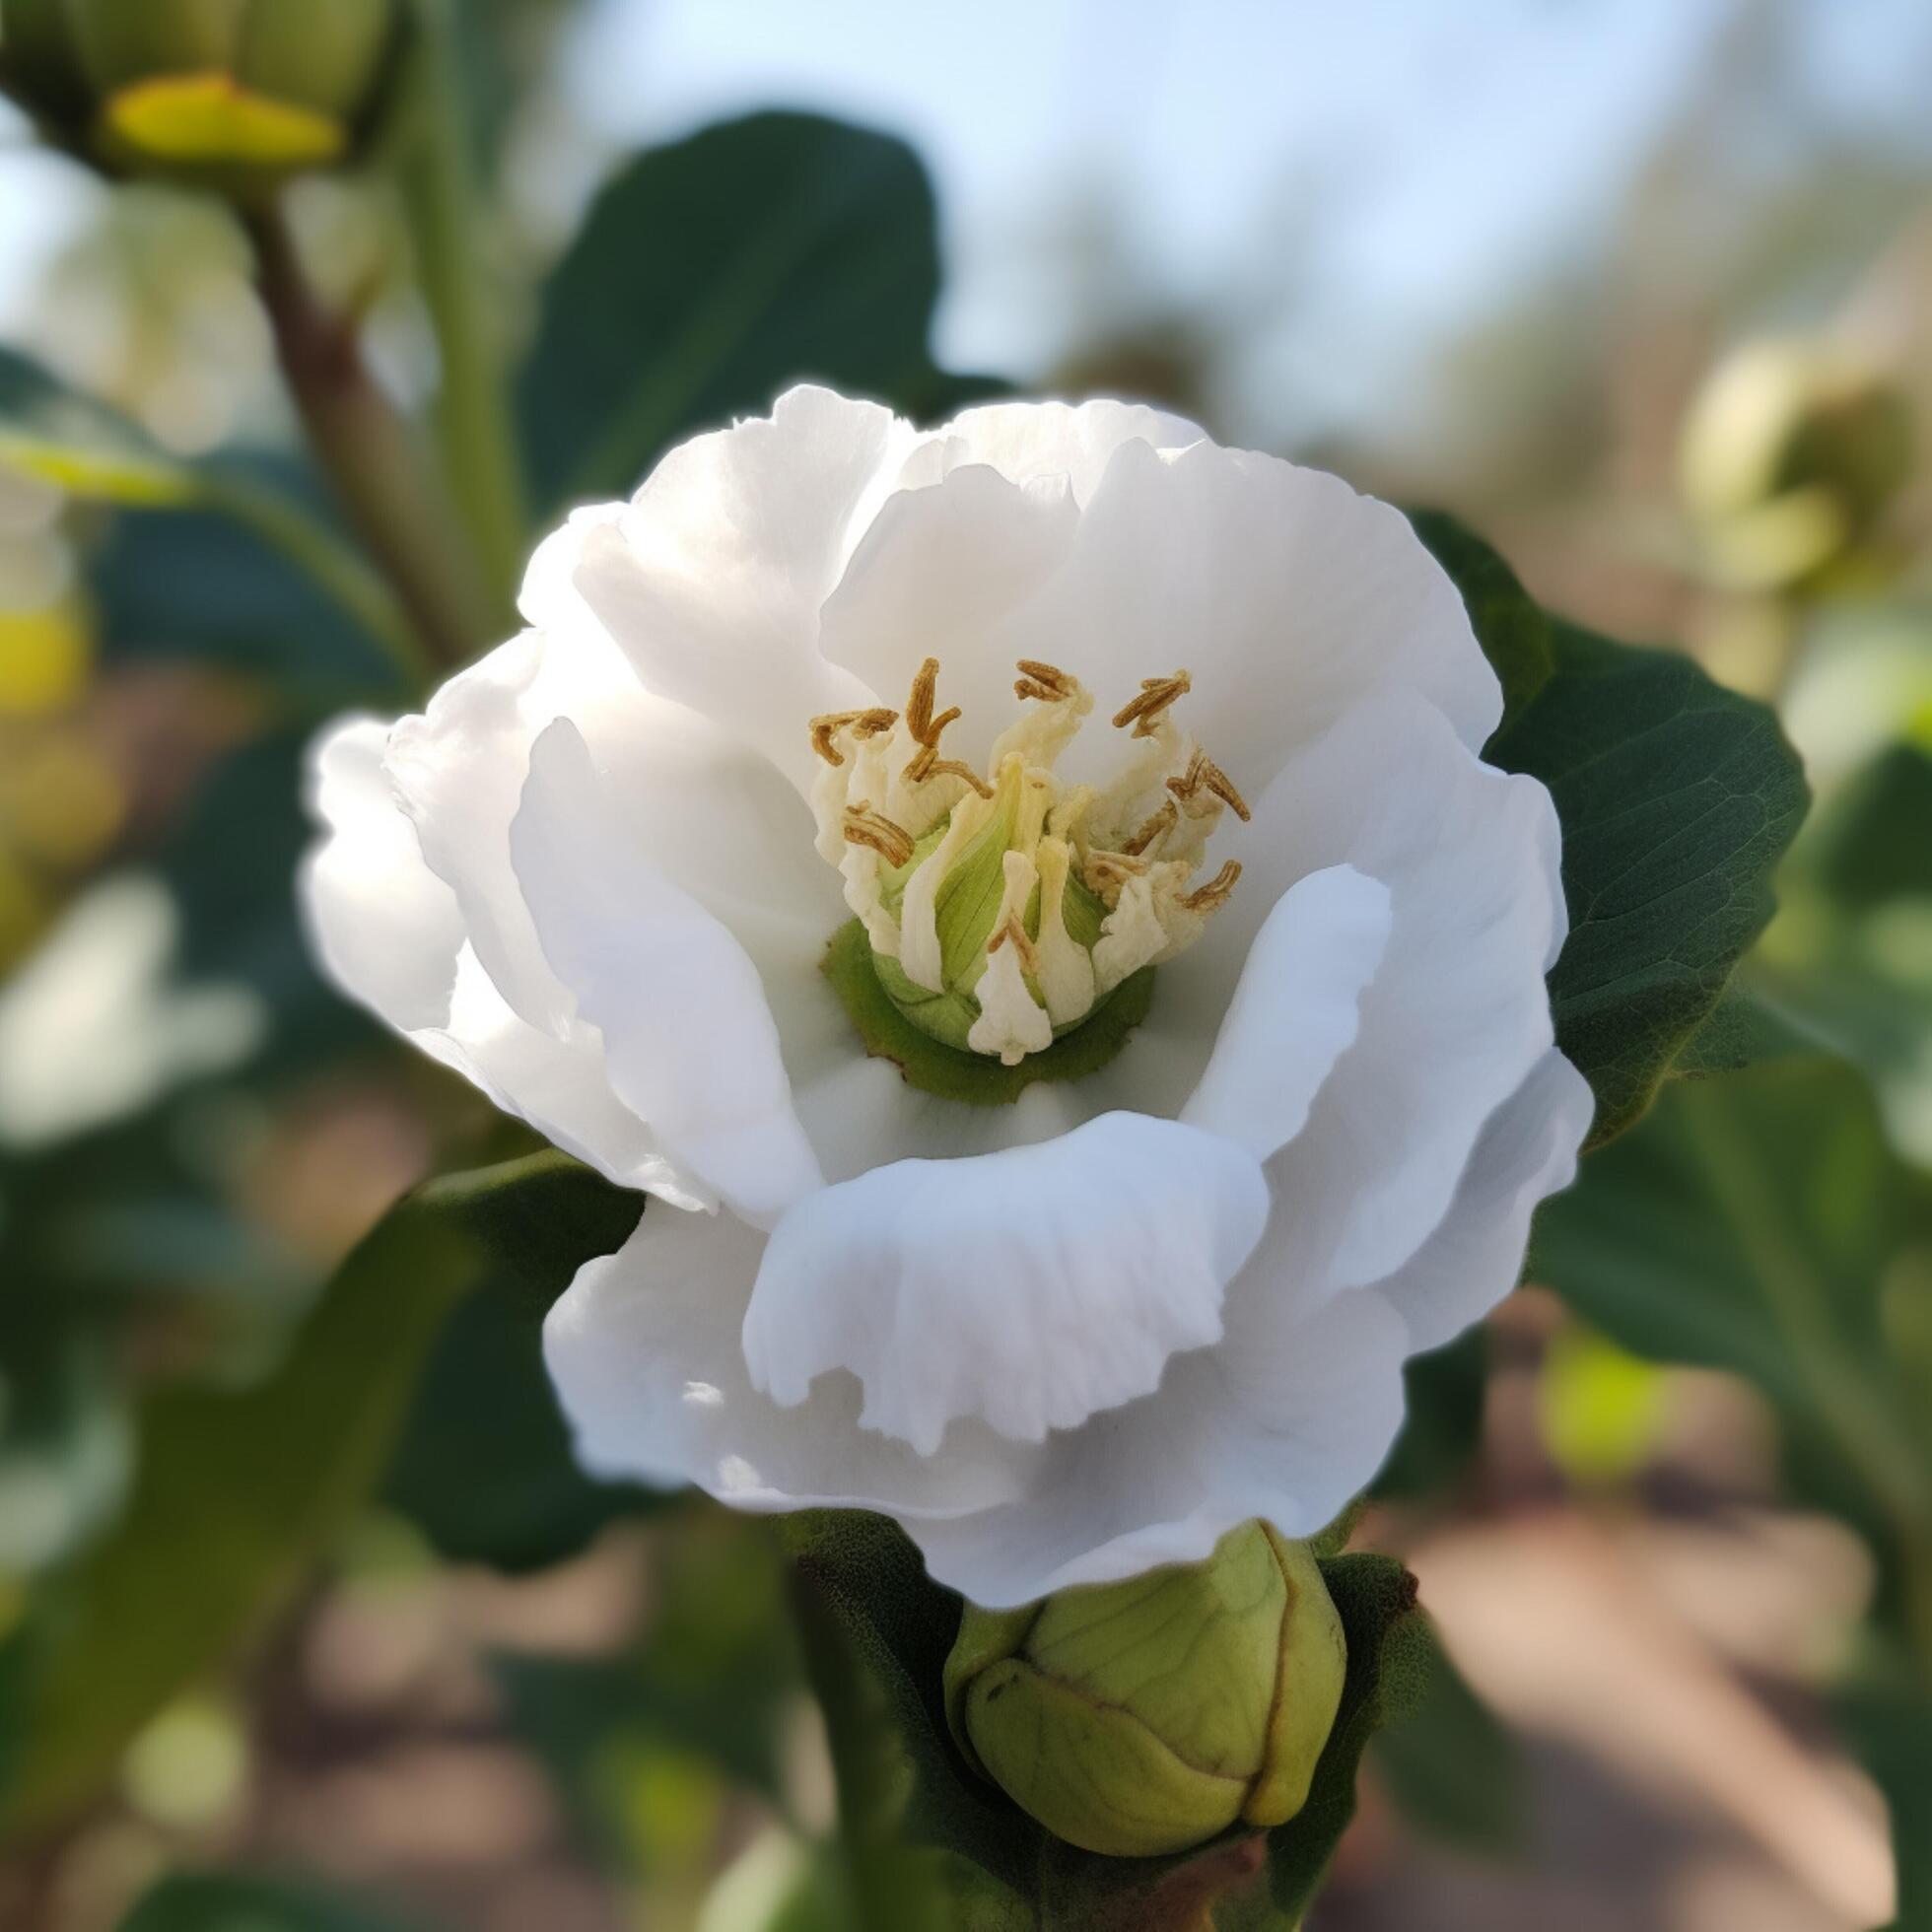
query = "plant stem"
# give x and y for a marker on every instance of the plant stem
(471, 415)
(370, 454)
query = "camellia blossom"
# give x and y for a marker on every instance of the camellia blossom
(1027, 899)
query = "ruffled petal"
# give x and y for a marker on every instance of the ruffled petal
(385, 927)
(712, 581)
(1458, 1012)
(1287, 1422)
(690, 1045)
(1286, 595)
(1296, 1010)
(1526, 1153)
(937, 571)
(1029, 1289)
(1027, 442)
(644, 1350)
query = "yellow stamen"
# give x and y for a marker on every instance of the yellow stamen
(865, 827)
(1047, 682)
(1207, 898)
(863, 725)
(1157, 694)
(1204, 775)
(926, 763)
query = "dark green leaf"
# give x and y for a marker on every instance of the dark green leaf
(485, 1466)
(1676, 799)
(194, 584)
(1452, 1769)
(1759, 1224)
(711, 275)
(1873, 842)
(237, 1493)
(233, 1902)
(1512, 628)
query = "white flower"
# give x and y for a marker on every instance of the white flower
(1070, 1335)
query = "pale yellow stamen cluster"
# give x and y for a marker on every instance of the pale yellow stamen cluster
(1128, 851)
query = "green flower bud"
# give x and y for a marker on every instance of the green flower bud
(1145, 1717)
(236, 94)
(1791, 456)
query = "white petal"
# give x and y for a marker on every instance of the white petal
(1028, 440)
(933, 575)
(556, 1082)
(1029, 1289)
(1296, 1010)
(712, 581)
(1289, 597)
(690, 1045)
(1458, 1012)
(1286, 1425)
(644, 1350)
(386, 928)
(1527, 1152)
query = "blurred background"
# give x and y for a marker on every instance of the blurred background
(1639, 289)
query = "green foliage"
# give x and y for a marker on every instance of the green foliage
(1759, 1223)
(484, 1467)
(239, 1492)
(233, 1902)
(1452, 1769)
(1514, 629)
(713, 273)
(1676, 799)
(878, 1634)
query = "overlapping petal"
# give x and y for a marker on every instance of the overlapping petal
(1068, 1338)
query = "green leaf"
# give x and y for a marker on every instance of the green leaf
(485, 1467)
(236, 1902)
(1759, 1224)
(1871, 843)
(1454, 1772)
(877, 1633)
(90, 451)
(712, 274)
(1889, 1717)
(1512, 628)
(83, 447)
(1676, 799)
(239, 1492)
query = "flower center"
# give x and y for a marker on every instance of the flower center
(1006, 910)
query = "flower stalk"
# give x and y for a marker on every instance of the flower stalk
(369, 453)
(471, 416)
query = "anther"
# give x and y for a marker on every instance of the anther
(1157, 694)
(925, 727)
(865, 827)
(863, 724)
(926, 763)
(1047, 682)
(1204, 898)
(1204, 775)
(1162, 822)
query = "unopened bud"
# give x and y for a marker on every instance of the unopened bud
(1145, 1717)
(1792, 453)
(237, 94)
